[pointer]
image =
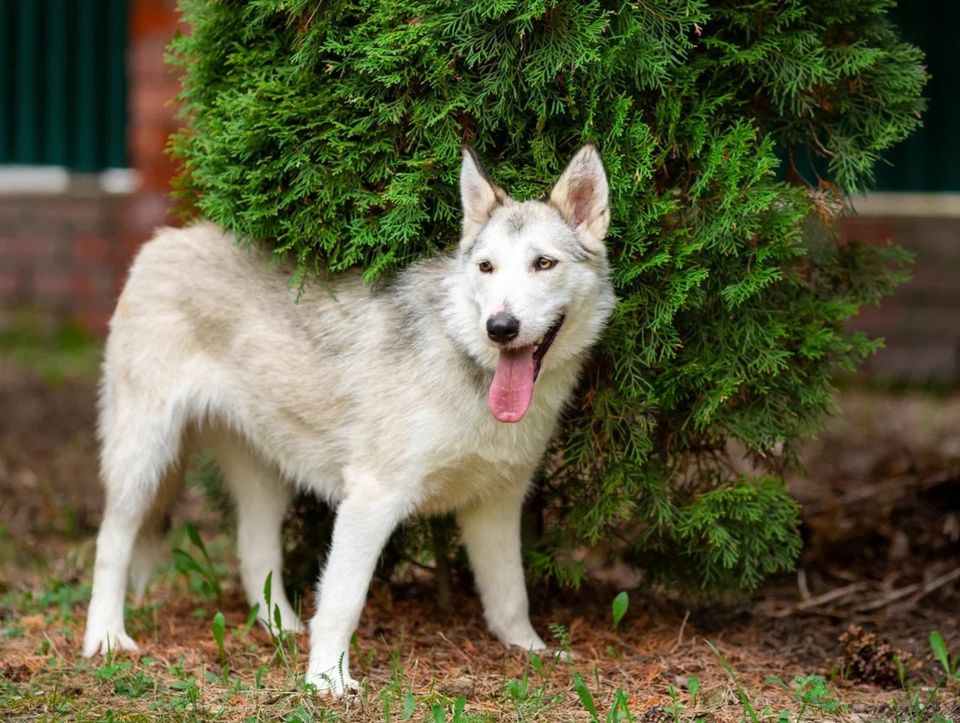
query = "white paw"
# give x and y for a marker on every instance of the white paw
(289, 620)
(291, 625)
(533, 643)
(294, 626)
(545, 653)
(525, 638)
(332, 682)
(106, 640)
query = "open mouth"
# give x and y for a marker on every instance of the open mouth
(511, 390)
(543, 346)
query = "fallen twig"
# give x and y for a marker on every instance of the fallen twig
(683, 625)
(892, 488)
(920, 589)
(450, 643)
(818, 600)
(802, 584)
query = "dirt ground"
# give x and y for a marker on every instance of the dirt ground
(880, 572)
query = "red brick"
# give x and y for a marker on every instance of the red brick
(147, 153)
(142, 215)
(129, 247)
(25, 247)
(931, 321)
(152, 16)
(83, 284)
(877, 319)
(9, 283)
(94, 321)
(91, 249)
(916, 362)
(869, 230)
(147, 143)
(152, 86)
(153, 103)
(52, 284)
(145, 64)
(118, 283)
(932, 283)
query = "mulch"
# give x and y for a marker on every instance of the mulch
(880, 570)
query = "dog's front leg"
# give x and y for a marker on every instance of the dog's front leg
(365, 519)
(491, 532)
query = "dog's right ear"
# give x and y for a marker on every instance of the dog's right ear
(581, 195)
(479, 195)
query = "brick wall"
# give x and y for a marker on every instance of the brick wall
(921, 321)
(66, 255)
(61, 254)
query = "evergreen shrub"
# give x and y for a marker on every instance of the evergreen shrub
(732, 132)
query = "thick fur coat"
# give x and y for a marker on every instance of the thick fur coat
(435, 392)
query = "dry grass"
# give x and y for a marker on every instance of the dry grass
(416, 661)
(419, 662)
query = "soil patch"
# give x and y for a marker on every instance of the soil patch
(881, 570)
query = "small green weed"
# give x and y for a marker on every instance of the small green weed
(63, 596)
(693, 688)
(812, 694)
(619, 608)
(741, 693)
(586, 697)
(676, 707)
(525, 696)
(201, 572)
(218, 626)
(950, 664)
(127, 682)
(185, 694)
(920, 703)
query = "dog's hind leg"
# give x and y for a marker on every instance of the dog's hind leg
(261, 501)
(149, 548)
(139, 450)
(491, 533)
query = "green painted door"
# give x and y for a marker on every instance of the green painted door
(930, 159)
(63, 83)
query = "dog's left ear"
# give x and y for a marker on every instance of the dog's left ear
(479, 195)
(581, 195)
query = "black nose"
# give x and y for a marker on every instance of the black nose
(502, 327)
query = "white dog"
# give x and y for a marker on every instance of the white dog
(435, 392)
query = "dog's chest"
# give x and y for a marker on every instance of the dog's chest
(451, 487)
(484, 460)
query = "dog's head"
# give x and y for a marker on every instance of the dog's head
(537, 276)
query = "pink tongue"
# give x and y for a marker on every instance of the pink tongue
(512, 387)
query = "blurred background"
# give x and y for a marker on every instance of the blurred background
(85, 114)
(87, 108)
(88, 105)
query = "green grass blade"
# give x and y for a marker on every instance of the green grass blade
(585, 696)
(219, 626)
(940, 652)
(741, 693)
(620, 604)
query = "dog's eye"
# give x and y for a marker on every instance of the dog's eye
(485, 267)
(544, 263)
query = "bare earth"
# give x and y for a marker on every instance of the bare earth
(881, 571)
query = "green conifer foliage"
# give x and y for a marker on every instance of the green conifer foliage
(329, 129)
